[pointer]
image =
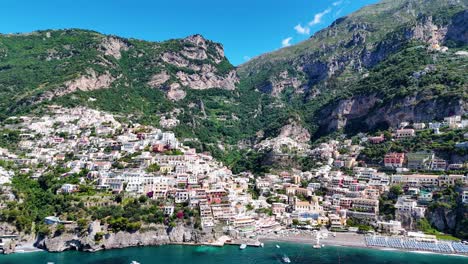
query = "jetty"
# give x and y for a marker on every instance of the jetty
(247, 242)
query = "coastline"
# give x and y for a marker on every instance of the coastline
(350, 240)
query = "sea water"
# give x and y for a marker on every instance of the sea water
(297, 253)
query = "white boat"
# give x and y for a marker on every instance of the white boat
(134, 262)
(262, 245)
(243, 246)
(317, 246)
(286, 259)
(277, 246)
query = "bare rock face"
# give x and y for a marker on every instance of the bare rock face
(195, 53)
(293, 137)
(9, 247)
(348, 109)
(207, 79)
(175, 59)
(283, 81)
(175, 92)
(417, 108)
(156, 235)
(429, 32)
(296, 132)
(87, 82)
(202, 75)
(197, 40)
(113, 46)
(158, 79)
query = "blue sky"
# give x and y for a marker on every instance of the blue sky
(246, 28)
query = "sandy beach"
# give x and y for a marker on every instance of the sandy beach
(338, 239)
(341, 239)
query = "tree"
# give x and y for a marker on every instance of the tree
(153, 168)
(395, 191)
(143, 199)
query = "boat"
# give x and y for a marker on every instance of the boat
(134, 262)
(243, 246)
(286, 259)
(317, 246)
(262, 245)
(277, 246)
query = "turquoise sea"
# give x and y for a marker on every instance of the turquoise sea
(298, 253)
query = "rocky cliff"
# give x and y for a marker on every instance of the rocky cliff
(366, 112)
(358, 74)
(396, 60)
(151, 236)
(450, 218)
(63, 62)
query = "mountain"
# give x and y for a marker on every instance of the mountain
(398, 60)
(359, 71)
(48, 64)
(186, 85)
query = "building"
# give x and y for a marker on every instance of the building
(365, 205)
(391, 227)
(377, 140)
(68, 188)
(419, 126)
(407, 206)
(394, 160)
(222, 212)
(168, 210)
(244, 224)
(424, 197)
(278, 208)
(465, 197)
(415, 180)
(451, 120)
(450, 180)
(419, 160)
(405, 133)
(438, 164)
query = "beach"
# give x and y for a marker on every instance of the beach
(338, 239)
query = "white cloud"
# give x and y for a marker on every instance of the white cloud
(337, 3)
(286, 42)
(318, 17)
(246, 58)
(337, 13)
(302, 30)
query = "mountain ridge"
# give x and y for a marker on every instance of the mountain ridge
(319, 84)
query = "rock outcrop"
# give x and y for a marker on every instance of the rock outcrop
(368, 110)
(293, 138)
(89, 81)
(155, 235)
(201, 75)
(113, 46)
(206, 78)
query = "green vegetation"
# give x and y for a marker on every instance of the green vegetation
(426, 227)
(443, 145)
(153, 168)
